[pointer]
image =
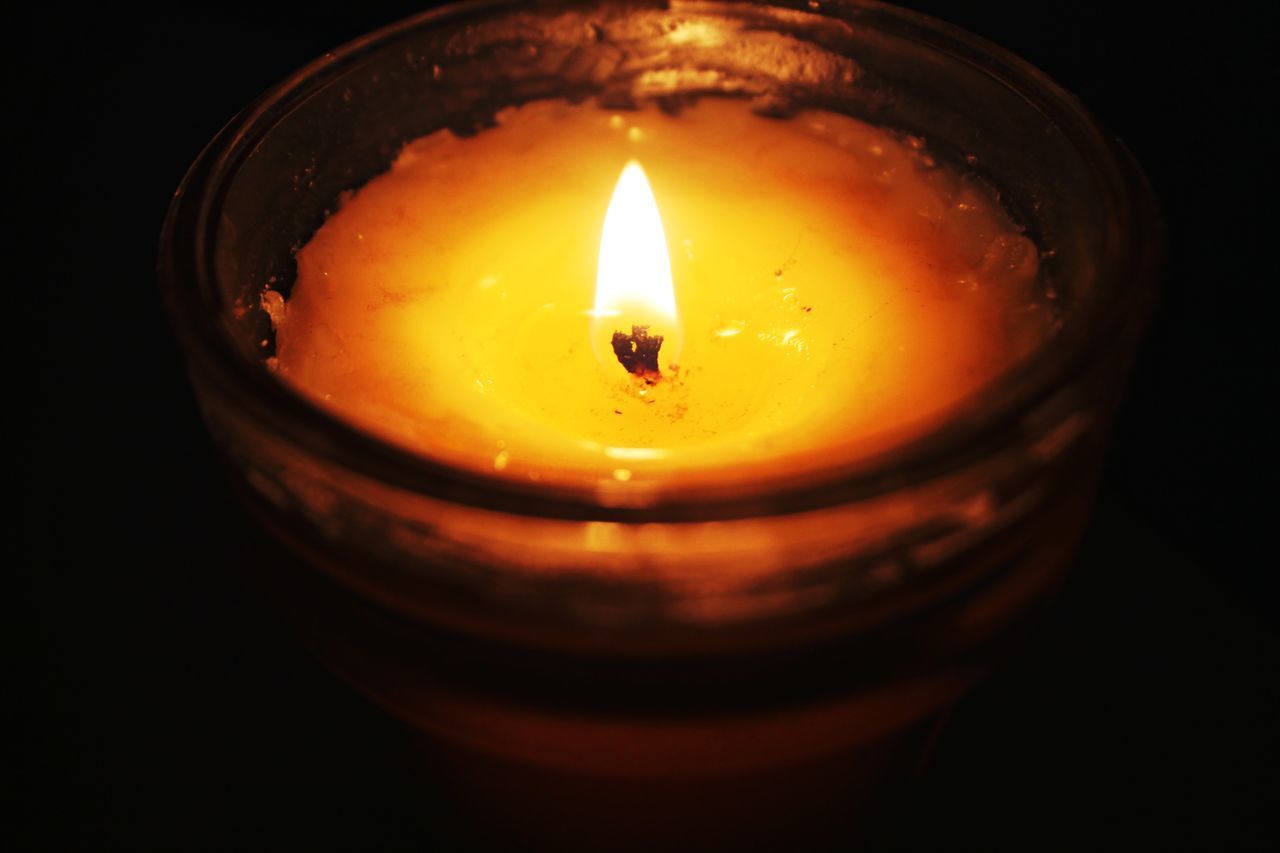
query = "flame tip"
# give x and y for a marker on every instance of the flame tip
(634, 265)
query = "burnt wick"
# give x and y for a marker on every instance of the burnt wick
(638, 352)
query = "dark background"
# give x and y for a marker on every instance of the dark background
(159, 702)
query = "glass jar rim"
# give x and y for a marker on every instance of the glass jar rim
(1127, 262)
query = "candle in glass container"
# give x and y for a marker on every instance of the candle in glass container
(824, 291)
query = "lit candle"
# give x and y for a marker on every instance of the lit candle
(711, 577)
(822, 290)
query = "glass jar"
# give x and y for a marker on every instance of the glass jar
(744, 662)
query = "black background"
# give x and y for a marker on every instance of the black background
(160, 703)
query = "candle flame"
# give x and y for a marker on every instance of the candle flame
(633, 282)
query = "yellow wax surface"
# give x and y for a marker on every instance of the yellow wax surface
(837, 293)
